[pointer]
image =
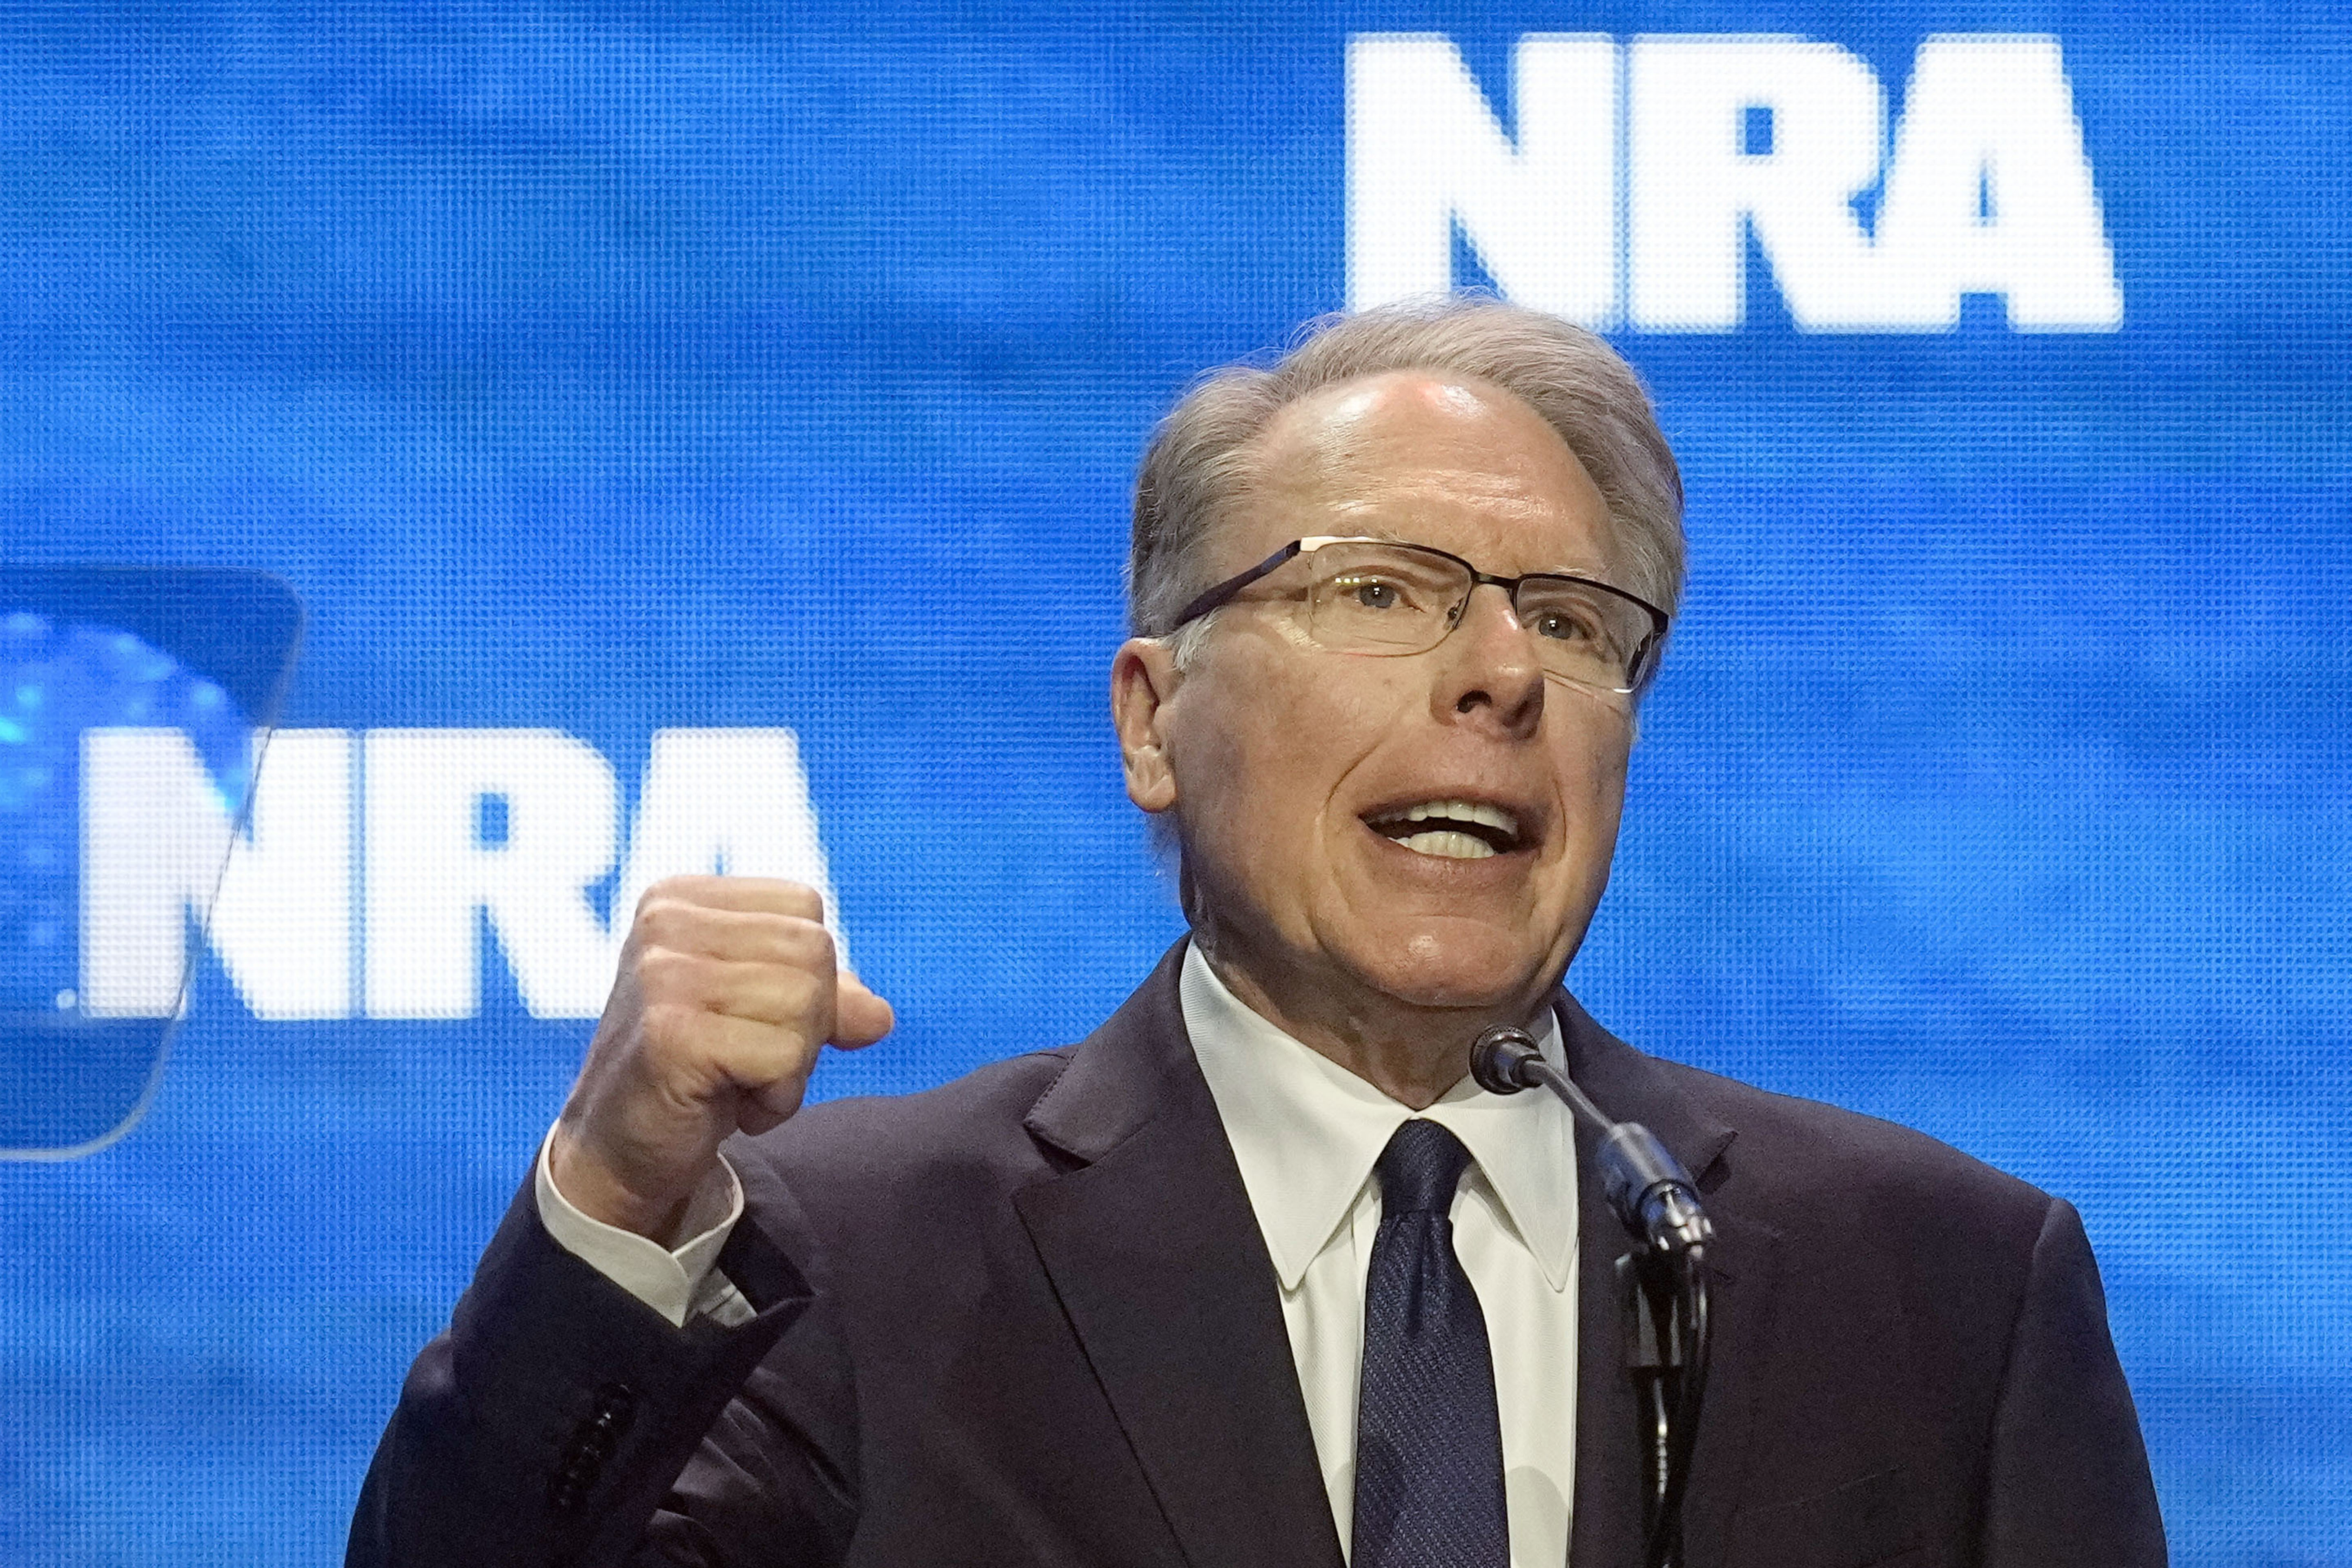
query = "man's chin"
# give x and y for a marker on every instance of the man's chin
(1474, 970)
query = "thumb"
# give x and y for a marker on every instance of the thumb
(859, 1016)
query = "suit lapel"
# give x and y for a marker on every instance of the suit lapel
(1607, 1523)
(1159, 1262)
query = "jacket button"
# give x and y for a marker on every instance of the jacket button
(611, 1409)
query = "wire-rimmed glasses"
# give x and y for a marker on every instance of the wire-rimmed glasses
(1385, 596)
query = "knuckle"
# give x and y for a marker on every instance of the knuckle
(798, 898)
(670, 890)
(662, 920)
(664, 971)
(807, 944)
(672, 1030)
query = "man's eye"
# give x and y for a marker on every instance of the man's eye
(1564, 627)
(1374, 595)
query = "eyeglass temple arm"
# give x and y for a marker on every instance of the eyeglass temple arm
(1226, 590)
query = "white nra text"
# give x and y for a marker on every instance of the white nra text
(1633, 176)
(366, 876)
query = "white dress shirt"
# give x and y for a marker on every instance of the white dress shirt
(680, 1282)
(1306, 1133)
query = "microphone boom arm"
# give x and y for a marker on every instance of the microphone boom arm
(1668, 1321)
(1652, 1197)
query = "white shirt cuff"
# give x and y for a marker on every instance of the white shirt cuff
(678, 1283)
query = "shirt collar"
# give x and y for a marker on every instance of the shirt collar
(1306, 1133)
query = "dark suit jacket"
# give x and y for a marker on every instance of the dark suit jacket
(1028, 1319)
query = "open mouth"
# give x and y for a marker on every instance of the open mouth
(1450, 829)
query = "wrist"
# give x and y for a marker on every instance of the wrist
(590, 1184)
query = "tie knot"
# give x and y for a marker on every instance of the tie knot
(1420, 1168)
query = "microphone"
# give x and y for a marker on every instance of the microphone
(1670, 1342)
(1652, 1197)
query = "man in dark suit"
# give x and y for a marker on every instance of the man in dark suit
(1255, 1275)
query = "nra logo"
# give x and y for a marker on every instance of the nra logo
(372, 863)
(1627, 190)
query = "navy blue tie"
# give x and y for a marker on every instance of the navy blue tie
(1429, 1446)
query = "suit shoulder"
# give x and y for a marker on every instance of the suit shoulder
(1826, 1160)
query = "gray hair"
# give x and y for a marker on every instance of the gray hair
(1201, 457)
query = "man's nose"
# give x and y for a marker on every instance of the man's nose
(1488, 671)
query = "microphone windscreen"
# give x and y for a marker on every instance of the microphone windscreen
(1499, 1061)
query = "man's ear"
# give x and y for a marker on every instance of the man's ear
(1143, 677)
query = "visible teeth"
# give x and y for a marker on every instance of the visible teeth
(1451, 845)
(1463, 811)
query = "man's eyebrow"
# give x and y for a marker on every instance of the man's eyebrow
(1352, 526)
(1391, 536)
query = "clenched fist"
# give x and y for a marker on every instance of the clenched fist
(728, 988)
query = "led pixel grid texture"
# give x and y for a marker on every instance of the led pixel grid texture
(610, 369)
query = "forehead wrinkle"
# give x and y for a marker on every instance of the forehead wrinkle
(1371, 519)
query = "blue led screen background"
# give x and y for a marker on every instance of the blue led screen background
(706, 428)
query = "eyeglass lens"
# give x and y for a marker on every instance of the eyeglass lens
(1392, 599)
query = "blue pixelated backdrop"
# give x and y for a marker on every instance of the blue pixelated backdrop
(701, 435)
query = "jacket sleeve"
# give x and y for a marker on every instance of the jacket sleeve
(560, 1421)
(2069, 1481)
